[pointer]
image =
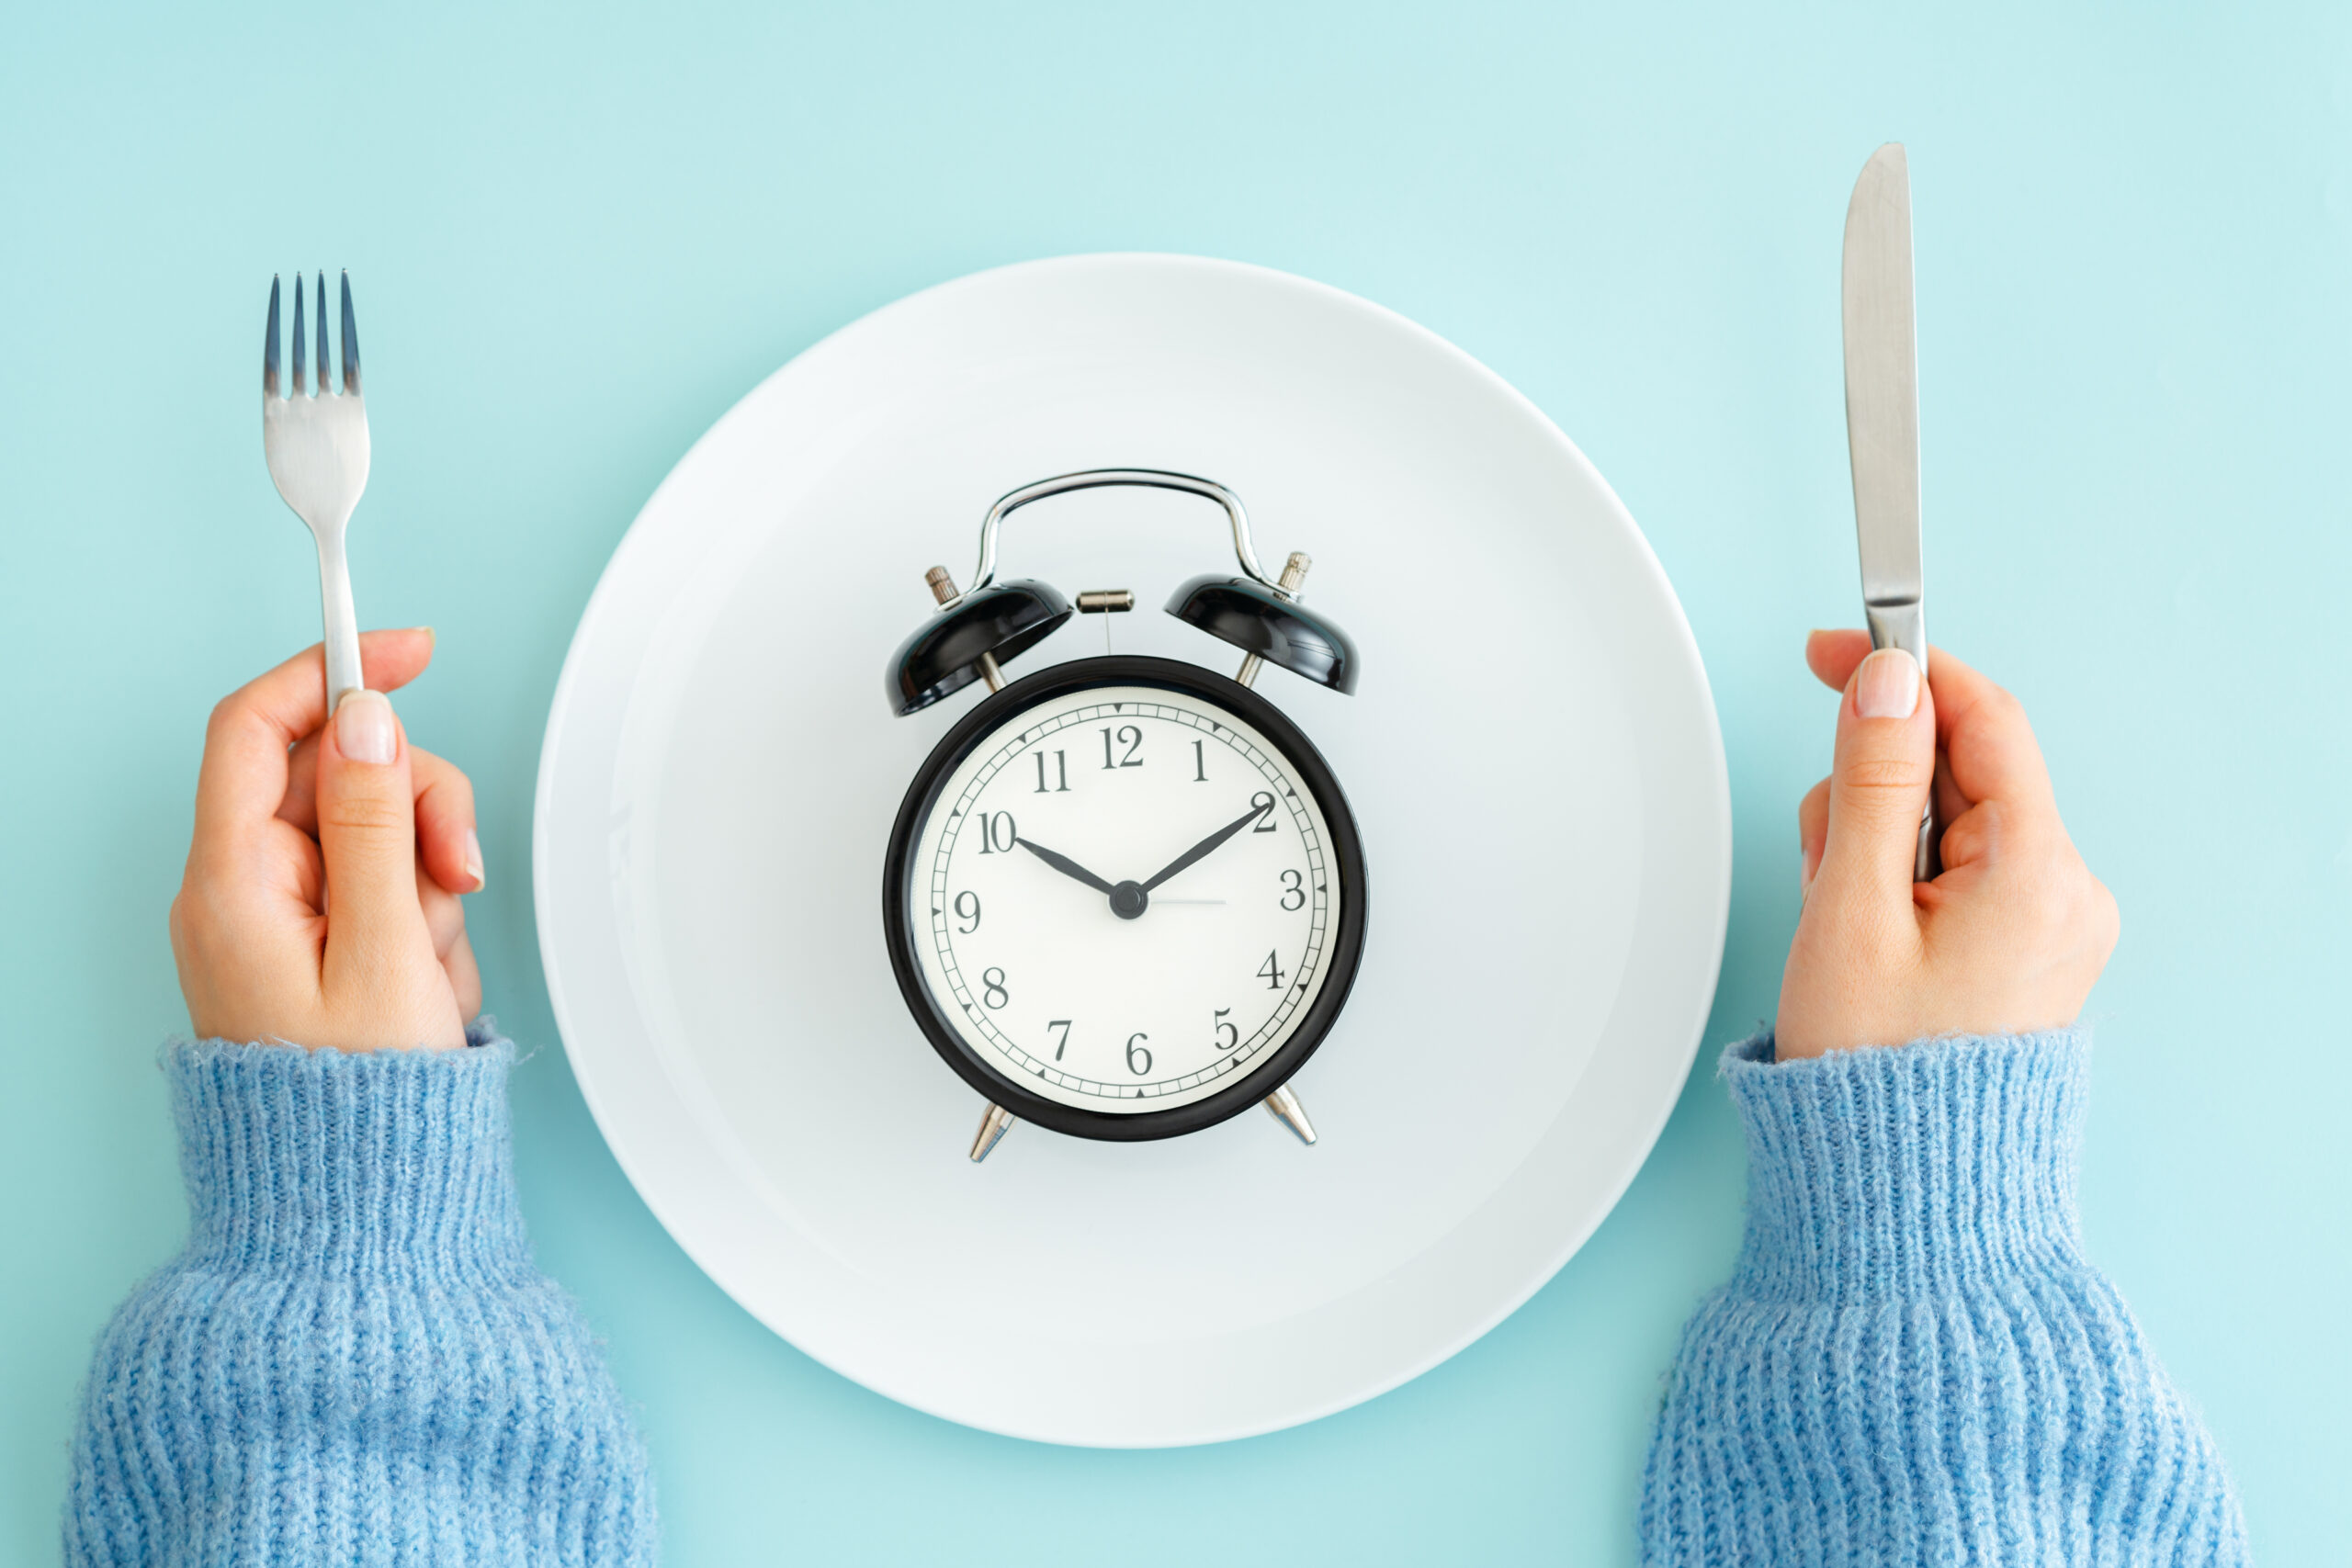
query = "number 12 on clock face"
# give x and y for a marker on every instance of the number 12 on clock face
(1127, 901)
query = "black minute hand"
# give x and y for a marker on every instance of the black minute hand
(1204, 847)
(1065, 865)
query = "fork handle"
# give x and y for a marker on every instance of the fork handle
(342, 620)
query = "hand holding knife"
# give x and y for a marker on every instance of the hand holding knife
(1883, 421)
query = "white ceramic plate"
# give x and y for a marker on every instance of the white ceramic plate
(1533, 757)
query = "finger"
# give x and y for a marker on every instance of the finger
(1949, 802)
(1970, 838)
(367, 836)
(1834, 655)
(444, 915)
(300, 806)
(1985, 734)
(383, 668)
(1886, 761)
(464, 977)
(444, 919)
(1813, 832)
(445, 840)
(247, 769)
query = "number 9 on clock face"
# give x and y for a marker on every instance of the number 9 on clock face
(1124, 898)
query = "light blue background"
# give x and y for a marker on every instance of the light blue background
(579, 233)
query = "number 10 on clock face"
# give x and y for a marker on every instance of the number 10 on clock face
(1128, 900)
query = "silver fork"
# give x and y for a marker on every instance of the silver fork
(317, 450)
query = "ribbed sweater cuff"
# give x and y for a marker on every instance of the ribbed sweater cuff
(1908, 1170)
(318, 1162)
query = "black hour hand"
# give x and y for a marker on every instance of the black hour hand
(1065, 865)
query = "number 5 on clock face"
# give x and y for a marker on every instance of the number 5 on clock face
(1128, 902)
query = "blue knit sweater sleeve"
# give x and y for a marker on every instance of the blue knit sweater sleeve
(1913, 1363)
(354, 1360)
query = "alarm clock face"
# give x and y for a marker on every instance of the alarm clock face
(1128, 897)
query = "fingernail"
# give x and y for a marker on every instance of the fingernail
(363, 728)
(473, 860)
(1887, 685)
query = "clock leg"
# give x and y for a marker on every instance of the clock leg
(998, 1122)
(1284, 1108)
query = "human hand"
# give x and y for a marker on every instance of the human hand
(320, 905)
(2013, 934)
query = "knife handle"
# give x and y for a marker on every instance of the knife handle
(1904, 624)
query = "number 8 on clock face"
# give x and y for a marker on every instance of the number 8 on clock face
(1124, 898)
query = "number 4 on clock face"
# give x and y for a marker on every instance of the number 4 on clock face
(1142, 946)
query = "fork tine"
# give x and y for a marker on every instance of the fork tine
(350, 338)
(326, 372)
(299, 385)
(269, 344)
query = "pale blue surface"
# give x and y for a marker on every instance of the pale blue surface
(577, 236)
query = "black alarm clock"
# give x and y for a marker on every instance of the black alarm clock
(1124, 897)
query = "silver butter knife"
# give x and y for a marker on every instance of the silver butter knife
(1882, 421)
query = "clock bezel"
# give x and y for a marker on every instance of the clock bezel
(1345, 953)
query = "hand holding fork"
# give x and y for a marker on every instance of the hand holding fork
(321, 905)
(317, 448)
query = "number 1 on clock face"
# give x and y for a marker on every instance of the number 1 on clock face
(1134, 943)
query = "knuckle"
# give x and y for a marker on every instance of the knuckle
(364, 814)
(2007, 711)
(226, 714)
(191, 916)
(1885, 774)
(459, 791)
(2107, 917)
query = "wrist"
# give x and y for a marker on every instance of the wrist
(1906, 1169)
(323, 1160)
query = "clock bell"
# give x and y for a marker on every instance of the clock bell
(975, 633)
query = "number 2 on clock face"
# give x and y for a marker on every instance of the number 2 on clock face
(1135, 932)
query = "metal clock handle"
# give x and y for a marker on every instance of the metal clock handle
(1283, 1104)
(1104, 478)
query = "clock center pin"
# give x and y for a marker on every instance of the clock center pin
(1168, 1031)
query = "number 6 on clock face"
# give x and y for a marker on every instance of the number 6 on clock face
(1124, 898)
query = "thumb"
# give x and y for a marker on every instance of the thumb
(367, 836)
(1887, 762)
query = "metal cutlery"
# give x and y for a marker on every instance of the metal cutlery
(1882, 421)
(316, 443)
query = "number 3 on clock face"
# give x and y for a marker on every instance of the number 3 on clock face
(1124, 898)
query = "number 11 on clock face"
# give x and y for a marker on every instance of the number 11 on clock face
(1124, 899)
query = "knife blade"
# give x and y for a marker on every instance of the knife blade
(1882, 421)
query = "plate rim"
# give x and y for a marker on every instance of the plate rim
(1682, 642)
